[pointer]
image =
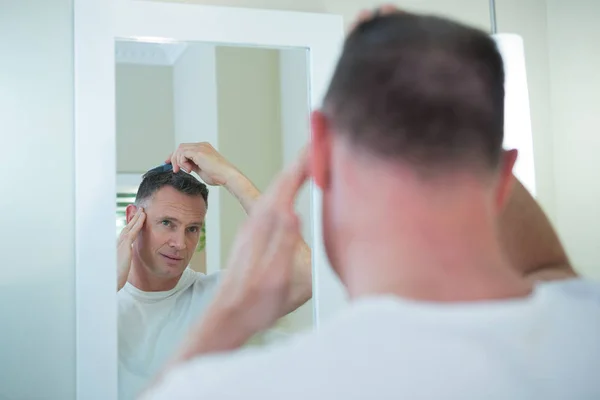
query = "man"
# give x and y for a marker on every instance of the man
(408, 153)
(158, 296)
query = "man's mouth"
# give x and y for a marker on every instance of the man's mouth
(172, 258)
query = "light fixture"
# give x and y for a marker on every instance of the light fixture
(517, 118)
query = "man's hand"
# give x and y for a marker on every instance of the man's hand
(258, 278)
(258, 281)
(215, 170)
(366, 15)
(124, 243)
(203, 159)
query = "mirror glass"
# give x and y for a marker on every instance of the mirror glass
(252, 105)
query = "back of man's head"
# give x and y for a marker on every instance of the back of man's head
(184, 183)
(408, 147)
(420, 90)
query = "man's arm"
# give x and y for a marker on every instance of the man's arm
(215, 170)
(260, 272)
(529, 239)
(244, 190)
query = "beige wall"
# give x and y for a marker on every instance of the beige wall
(145, 122)
(250, 136)
(249, 124)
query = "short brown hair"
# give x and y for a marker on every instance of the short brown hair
(181, 181)
(420, 89)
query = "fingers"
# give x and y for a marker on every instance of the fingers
(283, 240)
(132, 229)
(362, 17)
(285, 188)
(138, 224)
(176, 159)
(366, 15)
(387, 9)
(183, 157)
(135, 217)
(184, 161)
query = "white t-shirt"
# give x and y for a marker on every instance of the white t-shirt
(545, 346)
(152, 325)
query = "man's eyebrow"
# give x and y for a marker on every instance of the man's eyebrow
(163, 218)
(173, 219)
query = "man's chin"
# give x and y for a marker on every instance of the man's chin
(170, 270)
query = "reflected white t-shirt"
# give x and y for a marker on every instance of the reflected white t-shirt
(152, 325)
(545, 346)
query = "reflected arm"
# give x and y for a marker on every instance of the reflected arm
(529, 239)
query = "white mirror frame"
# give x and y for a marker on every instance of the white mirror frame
(96, 26)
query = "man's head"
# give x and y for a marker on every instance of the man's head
(175, 205)
(413, 99)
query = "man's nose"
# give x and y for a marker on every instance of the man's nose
(177, 240)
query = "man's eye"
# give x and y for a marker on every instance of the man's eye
(193, 229)
(166, 222)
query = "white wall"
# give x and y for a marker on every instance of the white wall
(573, 41)
(528, 19)
(37, 311)
(470, 11)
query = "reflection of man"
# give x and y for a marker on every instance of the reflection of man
(408, 153)
(158, 295)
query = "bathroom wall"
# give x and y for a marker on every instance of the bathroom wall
(37, 273)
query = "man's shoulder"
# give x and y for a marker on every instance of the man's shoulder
(580, 289)
(200, 279)
(245, 368)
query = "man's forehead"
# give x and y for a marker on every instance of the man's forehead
(168, 200)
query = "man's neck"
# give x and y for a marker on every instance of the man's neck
(141, 277)
(445, 249)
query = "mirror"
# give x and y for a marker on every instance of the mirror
(252, 105)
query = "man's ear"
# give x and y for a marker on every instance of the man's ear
(130, 212)
(506, 178)
(320, 149)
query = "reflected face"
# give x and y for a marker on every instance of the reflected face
(171, 232)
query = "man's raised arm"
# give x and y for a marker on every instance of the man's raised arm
(529, 239)
(215, 170)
